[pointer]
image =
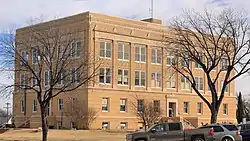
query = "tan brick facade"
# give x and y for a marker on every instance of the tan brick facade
(96, 28)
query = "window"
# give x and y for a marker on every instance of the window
(123, 51)
(75, 49)
(105, 125)
(210, 64)
(199, 108)
(185, 84)
(224, 64)
(186, 107)
(75, 75)
(197, 65)
(47, 78)
(49, 109)
(140, 78)
(156, 80)
(122, 77)
(124, 125)
(140, 104)
(105, 49)
(123, 105)
(24, 59)
(226, 89)
(159, 128)
(185, 61)
(171, 59)
(23, 80)
(35, 78)
(35, 54)
(105, 104)
(171, 80)
(61, 76)
(34, 106)
(140, 53)
(156, 105)
(225, 109)
(47, 52)
(60, 104)
(174, 126)
(105, 76)
(199, 83)
(22, 106)
(156, 55)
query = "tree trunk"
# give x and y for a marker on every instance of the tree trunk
(214, 116)
(44, 125)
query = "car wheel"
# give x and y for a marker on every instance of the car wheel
(227, 139)
(198, 139)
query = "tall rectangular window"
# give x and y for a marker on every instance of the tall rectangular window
(123, 77)
(199, 83)
(123, 105)
(123, 51)
(224, 64)
(225, 109)
(156, 105)
(23, 80)
(124, 125)
(22, 105)
(186, 107)
(199, 107)
(140, 78)
(156, 80)
(185, 61)
(75, 49)
(221, 85)
(34, 106)
(47, 77)
(140, 53)
(60, 104)
(197, 65)
(105, 76)
(24, 59)
(35, 54)
(75, 75)
(61, 76)
(171, 59)
(105, 104)
(171, 80)
(105, 49)
(156, 55)
(35, 78)
(140, 105)
(185, 84)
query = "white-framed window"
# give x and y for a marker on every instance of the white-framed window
(105, 49)
(157, 107)
(221, 85)
(185, 84)
(124, 125)
(140, 78)
(140, 105)
(35, 54)
(171, 80)
(61, 76)
(156, 80)
(23, 81)
(75, 49)
(140, 53)
(22, 106)
(34, 106)
(35, 78)
(185, 61)
(171, 59)
(105, 76)
(123, 51)
(197, 65)
(186, 107)
(199, 107)
(156, 55)
(199, 83)
(105, 125)
(123, 77)
(224, 64)
(60, 104)
(74, 75)
(24, 57)
(105, 104)
(47, 76)
(123, 103)
(225, 109)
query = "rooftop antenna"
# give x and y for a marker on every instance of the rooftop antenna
(152, 9)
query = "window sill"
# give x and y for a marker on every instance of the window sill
(171, 88)
(123, 112)
(34, 111)
(199, 113)
(156, 87)
(185, 113)
(109, 58)
(104, 83)
(105, 111)
(140, 62)
(155, 63)
(123, 60)
(122, 85)
(140, 86)
(225, 114)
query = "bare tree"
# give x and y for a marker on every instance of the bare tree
(83, 118)
(213, 42)
(148, 112)
(48, 61)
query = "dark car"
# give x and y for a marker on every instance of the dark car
(245, 131)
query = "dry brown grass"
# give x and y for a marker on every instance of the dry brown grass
(62, 135)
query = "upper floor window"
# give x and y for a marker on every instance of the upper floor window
(35, 55)
(140, 53)
(171, 80)
(225, 109)
(105, 104)
(199, 83)
(156, 79)
(199, 107)
(156, 55)
(47, 78)
(123, 105)
(34, 106)
(75, 49)
(105, 75)
(75, 75)
(23, 81)
(60, 104)
(197, 65)
(186, 107)
(140, 78)
(123, 77)
(22, 106)
(140, 105)
(171, 59)
(24, 57)
(61, 77)
(105, 49)
(123, 51)
(185, 84)
(156, 105)
(35, 79)
(185, 61)
(224, 64)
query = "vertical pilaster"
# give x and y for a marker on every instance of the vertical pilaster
(114, 63)
(148, 69)
(131, 69)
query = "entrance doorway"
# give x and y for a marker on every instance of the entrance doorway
(172, 109)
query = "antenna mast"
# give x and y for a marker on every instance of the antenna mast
(152, 9)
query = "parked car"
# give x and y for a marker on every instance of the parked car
(172, 131)
(224, 132)
(245, 131)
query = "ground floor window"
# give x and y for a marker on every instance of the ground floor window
(124, 125)
(105, 125)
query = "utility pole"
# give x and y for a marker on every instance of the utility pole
(7, 109)
(152, 9)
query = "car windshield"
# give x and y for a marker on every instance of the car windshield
(231, 127)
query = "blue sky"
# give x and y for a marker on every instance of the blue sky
(19, 13)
